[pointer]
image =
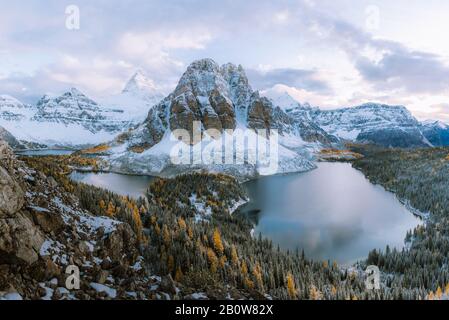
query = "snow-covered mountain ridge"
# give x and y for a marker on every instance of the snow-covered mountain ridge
(218, 98)
(75, 120)
(386, 125)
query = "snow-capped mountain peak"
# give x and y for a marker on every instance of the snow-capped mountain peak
(219, 98)
(141, 85)
(8, 101)
(435, 123)
(281, 98)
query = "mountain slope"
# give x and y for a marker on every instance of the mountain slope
(10, 139)
(390, 126)
(300, 113)
(138, 96)
(215, 98)
(436, 132)
(69, 120)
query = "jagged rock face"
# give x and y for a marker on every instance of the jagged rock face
(73, 107)
(436, 132)
(207, 93)
(295, 118)
(20, 239)
(218, 98)
(260, 113)
(391, 126)
(240, 90)
(43, 230)
(10, 139)
(11, 195)
(202, 95)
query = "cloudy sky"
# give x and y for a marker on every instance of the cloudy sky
(328, 52)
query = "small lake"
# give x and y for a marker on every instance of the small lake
(332, 212)
(127, 185)
(44, 152)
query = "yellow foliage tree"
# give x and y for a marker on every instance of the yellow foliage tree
(190, 232)
(223, 260)
(257, 273)
(166, 235)
(248, 283)
(137, 223)
(439, 293)
(213, 260)
(234, 256)
(157, 229)
(218, 245)
(102, 205)
(179, 275)
(110, 212)
(244, 268)
(182, 223)
(334, 290)
(315, 294)
(291, 289)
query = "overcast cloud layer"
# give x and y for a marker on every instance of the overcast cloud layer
(330, 52)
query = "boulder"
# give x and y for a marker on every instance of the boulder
(48, 221)
(20, 240)
(11, 195)
(168, 284)
(120, 242)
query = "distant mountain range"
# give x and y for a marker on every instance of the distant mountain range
(386, 125)
(136, 123)
(75, 120)
(220, 98)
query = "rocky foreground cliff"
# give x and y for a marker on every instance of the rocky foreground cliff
(54, 231)
(43, 231)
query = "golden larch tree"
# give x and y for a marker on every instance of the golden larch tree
(218, 245)
(291, 289)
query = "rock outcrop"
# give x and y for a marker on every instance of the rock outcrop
(43, 231)
(20, 239)
(220, 98)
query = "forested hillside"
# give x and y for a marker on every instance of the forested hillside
(420, 178)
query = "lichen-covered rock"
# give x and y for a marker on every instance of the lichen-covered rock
(47, 221)
(20, 240)
(260, 113)
(11, 195)
(121, 242)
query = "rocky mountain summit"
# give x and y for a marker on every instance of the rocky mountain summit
(219, 98)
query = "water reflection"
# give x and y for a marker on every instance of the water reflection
(127, 185)
(333, 212)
